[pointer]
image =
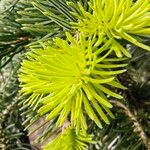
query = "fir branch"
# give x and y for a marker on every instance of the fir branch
(12, 135)
(71, 74)
(121, 20)
(137, 125)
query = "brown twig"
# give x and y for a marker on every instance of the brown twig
(137, 125)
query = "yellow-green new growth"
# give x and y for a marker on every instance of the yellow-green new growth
(69, 140)
(117, 19)
(70, 79)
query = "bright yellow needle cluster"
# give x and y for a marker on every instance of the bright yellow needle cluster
(117, 19)
(74, 141)
(71, 78)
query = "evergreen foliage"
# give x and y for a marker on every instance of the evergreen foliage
(83, 69)
(116, 19)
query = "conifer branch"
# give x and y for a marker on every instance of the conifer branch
(133, 118)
